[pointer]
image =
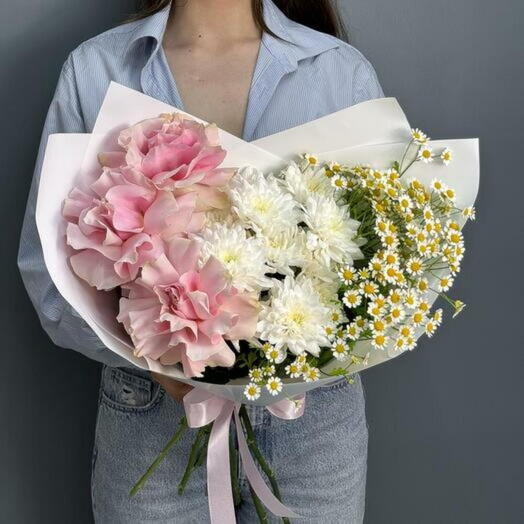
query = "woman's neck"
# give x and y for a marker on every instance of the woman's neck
(210, 23)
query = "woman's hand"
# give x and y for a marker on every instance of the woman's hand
(174, 388)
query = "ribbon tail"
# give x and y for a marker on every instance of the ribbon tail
(220, 492)
(255, 478)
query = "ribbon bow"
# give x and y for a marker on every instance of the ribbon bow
(202, 408)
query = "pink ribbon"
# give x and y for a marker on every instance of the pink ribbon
(202, 408)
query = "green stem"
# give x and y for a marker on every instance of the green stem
(182, 426)
(261, 512)
(404, 156)
(193, 457)
(251, 442)
(233, 460)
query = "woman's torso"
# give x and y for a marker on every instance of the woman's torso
(294, 81)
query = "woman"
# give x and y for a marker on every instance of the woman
(248, 67)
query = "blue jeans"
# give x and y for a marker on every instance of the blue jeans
(319, 459)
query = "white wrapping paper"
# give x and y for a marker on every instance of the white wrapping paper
(374, 132)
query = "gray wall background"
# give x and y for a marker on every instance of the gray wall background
(446, 422)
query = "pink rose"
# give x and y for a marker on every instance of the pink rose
(178, 311)
(173, 151)
(122, 225)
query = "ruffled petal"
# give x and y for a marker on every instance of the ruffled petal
(97, 270)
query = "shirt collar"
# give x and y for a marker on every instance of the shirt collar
(295, 41)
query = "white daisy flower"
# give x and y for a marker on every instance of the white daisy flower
(244, 257)
(340, 349)
(252, 391)
(352, 298)
(312, 374)
(405, 203)
(395, 297)
(418, 317)
(301, 358)
(415, 266)
(469, 212)
(256, 374)
(269, 370)
(425, 154)
(377, 306)
(437, 316)
(333, 233)
(338, 182)
(347, 274)
(294, 317)
(406, 331)
(437, 185)
(446, 156)
(274, 386)
(294, 370)
(445, 283)
(411, 299)
(430, 327)
(273, 354)
(310, 158)
(330, 330)
(378, 325)
(337, 315)
(353, 331)
(400, 344)
(369, 288)
(449, 193)
(380, 341)
(397, 314)
(419, 137)
(411, 343)
(422, 285)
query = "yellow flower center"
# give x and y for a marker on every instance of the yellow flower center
(261, 205)
(348, 274)
(297, 317)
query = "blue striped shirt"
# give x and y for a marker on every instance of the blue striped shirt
(301, 76)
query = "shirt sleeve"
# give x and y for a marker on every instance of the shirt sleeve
(62, 323)
(366, 85)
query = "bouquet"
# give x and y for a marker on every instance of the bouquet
(254, 272)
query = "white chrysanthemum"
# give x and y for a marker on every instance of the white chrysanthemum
(244, 257)
(218, 216)
(261, 202)
(286, 249)
(333, 233)
(303, 184)
(324, 279)
(294, 317)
